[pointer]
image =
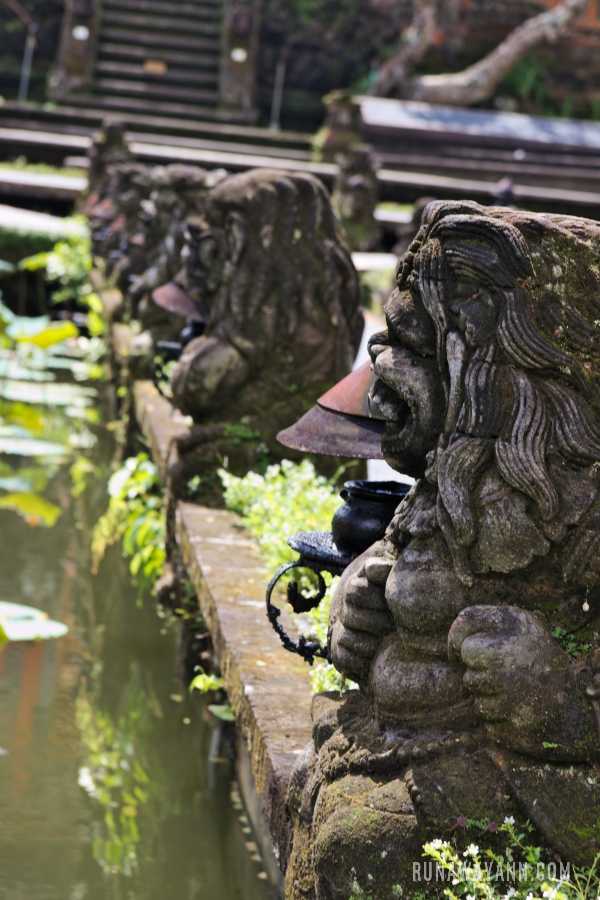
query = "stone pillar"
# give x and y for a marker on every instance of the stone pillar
(237, 83)
(73, 70)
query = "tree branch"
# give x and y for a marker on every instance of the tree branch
(479, 81)
(415, 43)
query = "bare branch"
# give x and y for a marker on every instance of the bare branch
(479, 81)
(415, 43)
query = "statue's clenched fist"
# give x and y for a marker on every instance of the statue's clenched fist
(359, 616)
(525, 688)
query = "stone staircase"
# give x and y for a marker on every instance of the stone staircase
(157, 57)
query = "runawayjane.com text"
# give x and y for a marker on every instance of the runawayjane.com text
(430, 871)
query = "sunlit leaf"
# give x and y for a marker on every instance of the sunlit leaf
(53, 394)
(24, 415)
(225, 713)
(18, 446)
(15, 484)
(56, 333)
(25, 623)
(34, 263)
(205, 683)
(34, 509)
(21, 326)
(12, 368)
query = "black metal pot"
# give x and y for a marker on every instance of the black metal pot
(366, 514)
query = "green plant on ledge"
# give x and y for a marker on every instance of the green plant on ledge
(136, 515)
(289, 497)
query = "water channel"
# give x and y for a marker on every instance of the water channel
(107, 791)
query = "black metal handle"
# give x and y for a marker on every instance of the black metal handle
(308, 650)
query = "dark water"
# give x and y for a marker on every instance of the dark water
(105, 788)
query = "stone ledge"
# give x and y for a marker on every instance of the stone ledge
(268, 688)
(159, 421)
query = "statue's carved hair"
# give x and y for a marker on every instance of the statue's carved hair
(294, 267)
(531, 393)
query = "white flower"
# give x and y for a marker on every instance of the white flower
(509, 820)
(86, 780)
(472, 850)
(437, 844)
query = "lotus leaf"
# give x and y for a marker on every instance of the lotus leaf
(53, 394)
(56, 333)
(22, 446)
(36, 510)
(24, 623)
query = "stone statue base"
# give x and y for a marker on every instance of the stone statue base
(363, 802)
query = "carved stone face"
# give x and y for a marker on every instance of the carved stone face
(270, 266)
(409, 389)
(204, 256)
(410, 392)
(480, 379)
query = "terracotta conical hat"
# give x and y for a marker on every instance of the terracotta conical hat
(340, 424)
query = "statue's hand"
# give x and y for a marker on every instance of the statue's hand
(359, 615)
(525, 689)
(208, 372)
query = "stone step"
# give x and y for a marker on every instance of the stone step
(162, 24)
(173, 76)
(142, 89)
(85, 116)
(158, 40)
(181, 145)
(146, 105)
(201, 10)
(134, 52)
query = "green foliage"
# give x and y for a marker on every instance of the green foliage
(485, 875)
(570, 644)
(82, 469)
(239, 432)
(222, 711)
(205, 683)
(41, 417)
(532, 84)
(117, 775)
(68, 265)
(331, 14)
(20, 164)
(289, 497)
(526, 78)
(136, 516)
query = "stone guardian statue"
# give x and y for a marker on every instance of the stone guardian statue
(271, 268)
(471, 702)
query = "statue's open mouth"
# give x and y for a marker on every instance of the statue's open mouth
(397, 433)
(384, 403)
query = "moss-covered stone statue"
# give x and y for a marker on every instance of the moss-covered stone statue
(270, 266)
(355, 195)
(177, 191)
(473, 628)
